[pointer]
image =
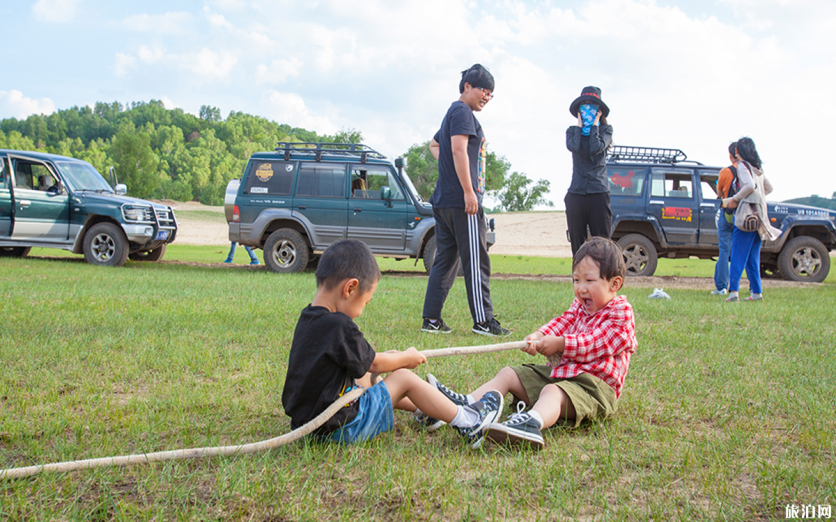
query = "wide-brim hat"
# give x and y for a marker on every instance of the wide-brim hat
(589, 95)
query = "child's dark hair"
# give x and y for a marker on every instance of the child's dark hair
(347, 259)
(606, 254)
(733, 148)
(477, 76)
(747, 151)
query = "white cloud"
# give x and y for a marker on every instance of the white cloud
(209, 64)
(55, 11)
(215, 18)
(168, 104)
(170, 23)
(290, 108)
(278, 71)
(15, 104)
(124, 62)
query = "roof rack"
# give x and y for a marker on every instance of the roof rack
(645, 154)
(340, 149)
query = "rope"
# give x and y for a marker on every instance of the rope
(199, 453)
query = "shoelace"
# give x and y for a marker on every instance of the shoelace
(520, 417)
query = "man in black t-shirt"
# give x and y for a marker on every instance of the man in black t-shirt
(459, 147)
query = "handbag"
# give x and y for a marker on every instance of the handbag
(746, 217)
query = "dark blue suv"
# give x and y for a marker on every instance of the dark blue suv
(664, 205)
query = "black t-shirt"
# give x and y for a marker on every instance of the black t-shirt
(448, 191)
(327, 354)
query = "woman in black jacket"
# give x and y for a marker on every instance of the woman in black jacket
(588, 198)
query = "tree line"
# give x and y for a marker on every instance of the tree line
(164, 153)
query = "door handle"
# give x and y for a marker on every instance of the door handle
(358, 209)
(302, 207)
(24, 203)
(655, 202)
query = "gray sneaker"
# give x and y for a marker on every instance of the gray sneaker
(456, 398)
(428, 423)
(488, 408)
(435, 327)
(491, 328)
(719, 292)
(520, 428)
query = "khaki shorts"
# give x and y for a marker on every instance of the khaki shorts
(591, 397)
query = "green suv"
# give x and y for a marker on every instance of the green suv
(54, 201)
(302, 197)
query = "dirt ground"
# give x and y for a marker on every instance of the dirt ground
(519, 233)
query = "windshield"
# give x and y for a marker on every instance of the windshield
(411, 187)
(82, 176)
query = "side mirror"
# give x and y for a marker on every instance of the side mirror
(399, 163)
(385, 193)
(121, 189)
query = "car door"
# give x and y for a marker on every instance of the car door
(41, 204)
(673, 202)
(5, 198)
(709, 206)
(378, 222)
(320, 199)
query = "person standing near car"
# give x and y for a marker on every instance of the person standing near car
(726, 188)
(588, 199)
(459, 147)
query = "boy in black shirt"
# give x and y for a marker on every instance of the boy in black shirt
(329, 357)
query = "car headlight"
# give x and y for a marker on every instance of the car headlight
(135, 213)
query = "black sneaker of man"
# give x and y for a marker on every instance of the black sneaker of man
(488, 408)
(491, 328)
(428, 423)
(520, 428)
(456, 398)
(435, 327)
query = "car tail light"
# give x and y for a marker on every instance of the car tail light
(236, 214)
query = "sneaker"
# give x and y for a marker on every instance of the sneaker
(456, 398)
(254, 262)
(488, 408)
(732, 299)
(754, 298)
(436, 327)
(228, 260)
(520, 428)
(719, 292)
(428, 423)
(491, 328)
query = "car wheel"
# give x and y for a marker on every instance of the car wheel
(148, 255)
(286, 251)
(429, 257)
(14, 251)
(105, 245)
(804, 259)
(639, 255)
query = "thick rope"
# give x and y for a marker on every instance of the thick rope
(199, 453)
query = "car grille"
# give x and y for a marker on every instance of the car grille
(166, 218)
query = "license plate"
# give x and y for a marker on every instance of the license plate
(162, 234)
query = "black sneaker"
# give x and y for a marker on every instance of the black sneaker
(456, 398)
(491, 328)
(436, 327)
(428, 423)
(520, 428)
(488, 408)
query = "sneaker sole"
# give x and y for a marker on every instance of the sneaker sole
(489, 334)
(427, 330)
(489, 419)
(436, 426)
(502, 435)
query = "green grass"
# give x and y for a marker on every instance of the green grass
(728, 411)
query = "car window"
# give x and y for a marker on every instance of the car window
(270, 177)
(4, 173)
(366, 182)
(708, 185)
(671, 184)
(626, 181)
(34, 176)
(326, 181)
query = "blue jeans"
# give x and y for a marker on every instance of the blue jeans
(745, 252)
(375, 416)
(724, 235)
(248, 249)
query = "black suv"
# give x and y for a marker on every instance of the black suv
(302, 197)
(664, 205)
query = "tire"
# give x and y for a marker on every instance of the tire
(639, 255)
(14, 251)
(105, 245)
(148, 255)
(804, 259)
(429, 257)
(286, 251)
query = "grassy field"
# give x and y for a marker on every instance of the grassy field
(728, 412)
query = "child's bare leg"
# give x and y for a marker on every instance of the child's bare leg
(505, 381)
(553, 404)
(407, 389)
(404, 404)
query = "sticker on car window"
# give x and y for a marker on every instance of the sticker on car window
(676, 213)
(264, 172)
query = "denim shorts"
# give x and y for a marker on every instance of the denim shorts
(375, 416)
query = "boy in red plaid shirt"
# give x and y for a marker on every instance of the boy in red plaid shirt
(588, 350)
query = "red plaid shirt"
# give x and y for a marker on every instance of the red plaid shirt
(599, 344)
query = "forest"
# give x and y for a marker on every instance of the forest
(164, 153)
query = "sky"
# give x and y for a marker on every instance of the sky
(690, 75)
